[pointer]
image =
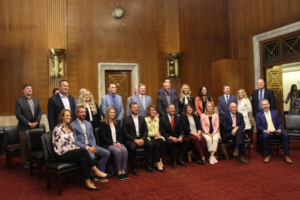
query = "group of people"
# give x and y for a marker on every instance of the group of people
(175, 122)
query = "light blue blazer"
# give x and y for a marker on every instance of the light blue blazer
(79, 134)
(105, 103)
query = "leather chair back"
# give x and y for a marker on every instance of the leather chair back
(41, 125)
(97, 135)
(34, 139)
(11, 135)
(292, 122)
(48, 146)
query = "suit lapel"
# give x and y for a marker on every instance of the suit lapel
(59, 100)
(76, 123)
(108, 101)
(26, 105)
(131, 119)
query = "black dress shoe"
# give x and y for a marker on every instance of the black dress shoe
(162, 170)
(203, 162)
(93, 189)
(173, 163)
(105, 177)
(180, 162)
(121, 177)
(26, 169)
(149, 169)
(134, 171)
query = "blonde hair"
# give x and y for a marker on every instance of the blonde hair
(107, 113)
(244, 92)
(81, 101)
(209, 103)
(181, 92)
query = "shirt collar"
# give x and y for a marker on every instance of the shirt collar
(134, 116)
(28, 98)
(112, 95)
(80, 122)
(141, 95)
(232, 114)
(167, 94)
(263, 90)
(61, 96)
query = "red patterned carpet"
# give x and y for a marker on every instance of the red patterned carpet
(225, 180)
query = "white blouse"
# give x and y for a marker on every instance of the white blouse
(113, 133)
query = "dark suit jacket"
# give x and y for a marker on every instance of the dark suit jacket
(186, 124)
(165, 128)
(96, 118)
(223, 106)
(162, 104)
(181, 104)
(227, 125)
(172, 91)
(23, 113)
(55, 105)
(261, 122)
(105, 134)
(128, 129)
(269, 94)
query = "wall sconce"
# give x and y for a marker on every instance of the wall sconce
(56, 62)
(173, 66)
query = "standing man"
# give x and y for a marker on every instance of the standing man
(84, 138)
(135, 134)
(62, 100)
(225, 100)
(172, 91)
(28, 112)
(80, 91)
(136, 91)
(260, 94)
(164, 99)
(142, 100)
(114, 100)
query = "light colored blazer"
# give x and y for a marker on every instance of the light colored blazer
(206, 125)
(105, 103)
(153, 127)
(245, 108)
(79, 134)
(148, 101)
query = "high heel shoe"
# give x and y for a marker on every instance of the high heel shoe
(160, 170)
(93, 189)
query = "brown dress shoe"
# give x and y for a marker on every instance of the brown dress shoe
(287, 160)
(267, 159)
(223, 149)
(236, 153)
(242, 160)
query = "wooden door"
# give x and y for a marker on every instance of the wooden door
(274, 82)
(122, 79)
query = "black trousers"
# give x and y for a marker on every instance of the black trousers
(158, 149)
(132, 147)
(81, 157)
(182, 145)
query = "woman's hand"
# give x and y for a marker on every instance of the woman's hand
(73, 148)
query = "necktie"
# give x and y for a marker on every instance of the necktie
(227, 100)
(233, 121)
(143, 103)
(172, 123)
(114, 102)
(260, 98)
(270, 124)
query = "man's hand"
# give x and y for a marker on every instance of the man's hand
(174, 139)
(92, 149)
(268, 132)
(278, 132)
(139, 142)
(180, 139)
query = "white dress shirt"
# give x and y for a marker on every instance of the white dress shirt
(186, 99)
(136, 124)
(226, 97)
(113, 133)
(82, 125)
(90, 113)
(65, 101)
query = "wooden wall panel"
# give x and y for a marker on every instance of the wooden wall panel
(23, 50)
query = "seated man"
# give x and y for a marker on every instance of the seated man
(233, 125)
(268, 122)
(84, 138)
(170, 127)
(135, 133)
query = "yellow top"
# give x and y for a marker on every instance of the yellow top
(153, 127)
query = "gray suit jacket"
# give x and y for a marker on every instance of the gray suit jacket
(79, 134)
(148, 101)
(105, 103)
(223, 106)
(162, 104)
(23, 113)
(127, 106)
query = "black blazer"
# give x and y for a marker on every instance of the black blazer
(269, 94)
(128, 129)
(227, 124)
(181, 104)
(105, 134)
(186, 124)
(162, 104)
(23, 113)
(55, 105)
(96, 118)
(165, 128)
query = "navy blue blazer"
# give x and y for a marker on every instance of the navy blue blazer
(269, 94)
(227, 125)
(223, 106)
(55, 106)
(261, 121)
(172, 91)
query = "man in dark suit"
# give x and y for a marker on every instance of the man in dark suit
(171, 128)
(233, 125)
(260, 94)
(142, 100)
(172, 91)
(28, 112)
(84, 138)
(268, 122)
(135, 134)
(164, 99)
(62, 100)
(225, 100)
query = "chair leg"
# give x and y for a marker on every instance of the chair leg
(59, 184)
(48, 179)
(30, 167)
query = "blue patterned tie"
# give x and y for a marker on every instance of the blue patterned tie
(114, 102)
(227, 99)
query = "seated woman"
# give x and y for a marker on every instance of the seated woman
(86, 100)
(154, 136)
(192, 129)
(202, 99)
(111, 139)
(185, 97)
(66, 151)
(210, 127)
